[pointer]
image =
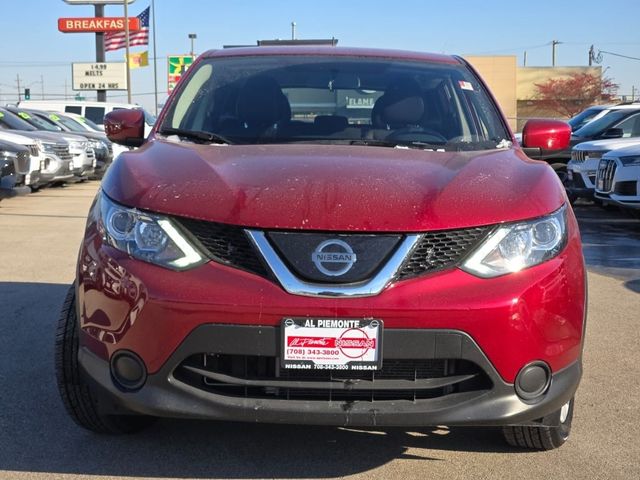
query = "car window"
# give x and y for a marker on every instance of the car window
(71, 124)
(73, 109)
(11, 121)
(599, 126)
(630, 126)
(38, 122)
(282, 99)
(584, 117)
(95, 114)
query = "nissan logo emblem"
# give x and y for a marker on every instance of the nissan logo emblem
(333, 257)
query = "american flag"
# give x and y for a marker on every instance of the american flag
(116, 40)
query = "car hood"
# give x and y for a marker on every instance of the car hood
(9, 146)
(52, 137)
(330, 187)
(16, 137)
(608, 144)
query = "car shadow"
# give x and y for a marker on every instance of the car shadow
(610, 242)
(36, 434)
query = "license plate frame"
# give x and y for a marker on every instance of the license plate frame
(331, 343)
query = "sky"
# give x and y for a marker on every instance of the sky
(33, 48)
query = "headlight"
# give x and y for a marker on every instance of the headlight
(145, 236)
(46, 146)
(629, 161)
(594, 155)
(516, 246)
(78, 146)
(8, 155)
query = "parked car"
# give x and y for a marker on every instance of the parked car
(583, 166)
(258, 261)
(51, 156)
(101, 147)
(68, 146)
(618, 178)
(40, 172)
(621, 121)
(15, 163)
(94, 111)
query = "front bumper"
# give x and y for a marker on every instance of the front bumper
(581, 178)
(169, 393)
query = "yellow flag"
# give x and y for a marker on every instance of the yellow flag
(138, 59)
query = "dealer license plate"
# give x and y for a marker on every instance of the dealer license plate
(331, 344)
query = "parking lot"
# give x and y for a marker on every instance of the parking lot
(39, 238)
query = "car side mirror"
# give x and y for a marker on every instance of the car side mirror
(613, 133)
(542, 136)
(125, 127)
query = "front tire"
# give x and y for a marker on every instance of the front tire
(542, 438)
(80, 402)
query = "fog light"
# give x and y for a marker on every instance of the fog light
(128, 370)
(533, 380)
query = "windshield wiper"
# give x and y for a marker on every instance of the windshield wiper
(393, 144)
(203, 137)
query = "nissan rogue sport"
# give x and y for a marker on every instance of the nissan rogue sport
(333, 237)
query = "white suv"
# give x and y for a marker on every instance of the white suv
(618, 178)
(583, 166)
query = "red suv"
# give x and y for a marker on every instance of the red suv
(328, 236)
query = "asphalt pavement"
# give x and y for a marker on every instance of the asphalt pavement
(39, 240)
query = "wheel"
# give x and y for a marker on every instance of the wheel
(542, 438)
(78, 398)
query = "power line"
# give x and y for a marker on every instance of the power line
(619, 55)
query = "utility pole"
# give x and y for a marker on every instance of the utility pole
(524, 64)
(18, 81)
(553, 52)
(155, 63)
(592, 55)
(293, 30)
(100, 57)
(42, 85)
(126, 43)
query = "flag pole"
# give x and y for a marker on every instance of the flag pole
(126, 43)
(155, 57)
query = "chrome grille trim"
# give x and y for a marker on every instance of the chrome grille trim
(606, 171)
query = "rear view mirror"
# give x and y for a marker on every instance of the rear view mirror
(125, 127)
(344, 81)
(613, 133)
(540, 136)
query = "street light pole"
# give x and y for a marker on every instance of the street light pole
(192, 37)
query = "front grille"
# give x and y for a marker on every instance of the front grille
(435, 251)
(439, 250)
(23, 163)
(260, 377)
(227, 244)
(628, 188)
(606, 171)
(578, 156)
(62, 151)
(33, 150)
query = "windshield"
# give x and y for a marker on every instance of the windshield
(320, 99)
(583, 117)
(71, 124)
(38, 122)
(599, 126)
(90, 124)
(9, 121)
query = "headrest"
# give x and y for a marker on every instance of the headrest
(260, 101)
(401, 105)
